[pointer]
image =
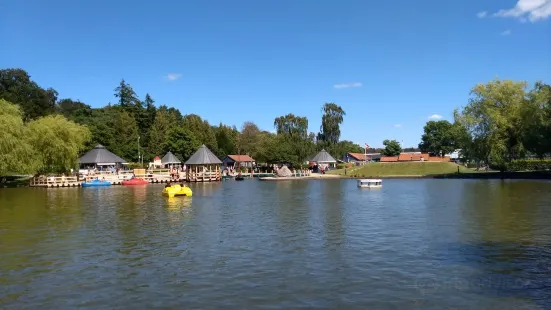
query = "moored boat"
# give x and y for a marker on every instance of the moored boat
(135, 181)
(96, 183)
(370, 183)
(177, 190)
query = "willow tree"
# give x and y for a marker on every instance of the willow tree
(493, 119)
(16, 154)
(58, 143)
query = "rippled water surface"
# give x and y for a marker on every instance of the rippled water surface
(414, 244)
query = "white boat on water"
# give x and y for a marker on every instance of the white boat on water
(370, 183)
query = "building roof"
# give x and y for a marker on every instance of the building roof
(241, 158)
(170, 158)
(361, 156)
(324, 157)
(100, 155)
(203, 156)
(389, 159)
(405, 157)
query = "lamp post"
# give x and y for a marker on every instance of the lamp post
(138, 149)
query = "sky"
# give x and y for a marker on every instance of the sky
(391, 65)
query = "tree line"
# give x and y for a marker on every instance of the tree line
(133, 126)
(503, 122)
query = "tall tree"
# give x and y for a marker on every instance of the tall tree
(159, 133)
(226, 139)
(248, 141)
(493, 118)
(181, 142)
(392, 148)
(536, 117)
(17, 87)
(291, 125)
(16, 154)
(439, 138)
(127, 96)
(293, 130)
(58, 141)
(333, 116)
(202, 131)
(126, 138)
(74, 110)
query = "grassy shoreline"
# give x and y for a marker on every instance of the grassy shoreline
(428, 170)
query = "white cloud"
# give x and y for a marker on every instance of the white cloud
(397, 125)
(535, 10)
(347, 85)
(506, 32)
(435, 117)
(173, 76)
(482, 14)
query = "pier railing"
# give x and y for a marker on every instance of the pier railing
(46, 181)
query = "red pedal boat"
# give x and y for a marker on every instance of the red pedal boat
(135, 181)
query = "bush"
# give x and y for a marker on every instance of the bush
(341, 166)
(529, 165)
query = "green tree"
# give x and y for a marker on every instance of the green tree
(536, 117)
(58, 142)
(16, 153)
(333, 116)
(493, 118)
(181, 142)
(293, 135)
(74, 110)
(202, 131)
(17, 87)
(159, 133)
(226, 139)
(291, 125)
(439, 138)
(392, 148)
(249, 139)
(128, 99)
(126, 137)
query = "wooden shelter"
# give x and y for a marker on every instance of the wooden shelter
(99, 156)
(170, 160)
(324, 159)
(203, 166)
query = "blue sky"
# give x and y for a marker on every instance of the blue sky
(390, 64)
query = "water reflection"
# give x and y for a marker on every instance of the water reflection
(177, 203)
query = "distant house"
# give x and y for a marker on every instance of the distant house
(455, 155)
(243, 160)
(360, 157)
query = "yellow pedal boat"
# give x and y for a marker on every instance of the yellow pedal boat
(177, 190)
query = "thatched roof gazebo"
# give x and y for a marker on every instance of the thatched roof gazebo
(100, 156)
(170, 160)
(203, 166)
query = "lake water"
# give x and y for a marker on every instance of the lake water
(414, 244)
